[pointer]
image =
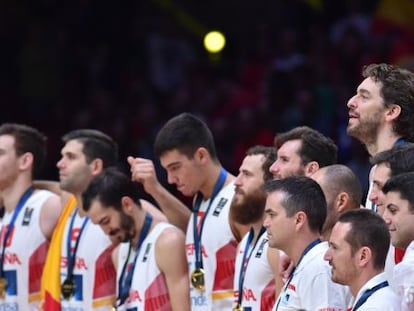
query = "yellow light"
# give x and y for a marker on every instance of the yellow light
(214, 41)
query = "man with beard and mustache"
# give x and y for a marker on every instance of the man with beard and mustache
(381, 113)
(301, 152)
(152, 269)
(79, 273)
(256, 279)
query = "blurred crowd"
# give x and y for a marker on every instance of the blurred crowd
(126, 67)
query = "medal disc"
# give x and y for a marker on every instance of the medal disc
(197, 278)
(68, 288)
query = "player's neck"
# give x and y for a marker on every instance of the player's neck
(12, 194)
(385, 141)
(79, 205)
(212, 175)
(257, 227)
(139, 222)
(326, 234)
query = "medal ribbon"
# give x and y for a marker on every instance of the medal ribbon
(72, 255)
(245, 262)
(197, 234)
(22, 201)
(307, 249)
(124, 282)
(367, 294)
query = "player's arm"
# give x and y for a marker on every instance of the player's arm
(153, 210)
(114, 257)
(53, 186)
(273, 257)
(49, 215)
(143, 171)
(172, 261)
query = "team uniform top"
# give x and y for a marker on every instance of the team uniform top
(259, 283)
(382, 299)
(403, 282)
(94, 273)
(311, 286)
(149, 289)
(24, 255)
(218, 249)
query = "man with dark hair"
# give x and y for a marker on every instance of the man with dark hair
(157, 273)
(186, 149)
(256, 279)
(381, 113)
(357, 251)
(342, 190)
(30, 216)
(294, 215)
(388, 163)
(302, 151)
(81, 275)
(399, 216)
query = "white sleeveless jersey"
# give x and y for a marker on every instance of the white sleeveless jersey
(149, 289)
(94, 272)
(218, 252)
(24, 255)
(259, 288)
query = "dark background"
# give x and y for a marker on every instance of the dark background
(125, 67)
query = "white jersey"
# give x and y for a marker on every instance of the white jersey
(218, 251)
(382, 299)
(24, 255)
(311, 286)
(149, 289)
(259, 288)
(94, 273)
(403, 282)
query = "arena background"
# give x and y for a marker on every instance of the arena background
(125, 67)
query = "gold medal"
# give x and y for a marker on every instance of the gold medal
(68, 288)
(197, 279)
(238, 308)
(3, 285)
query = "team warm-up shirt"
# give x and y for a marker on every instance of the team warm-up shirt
(24, 255)
(311, 287)
(94, 272)
(403, 282)
(218, 248)
(259, 282)
(149, 289)
(382, 299)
